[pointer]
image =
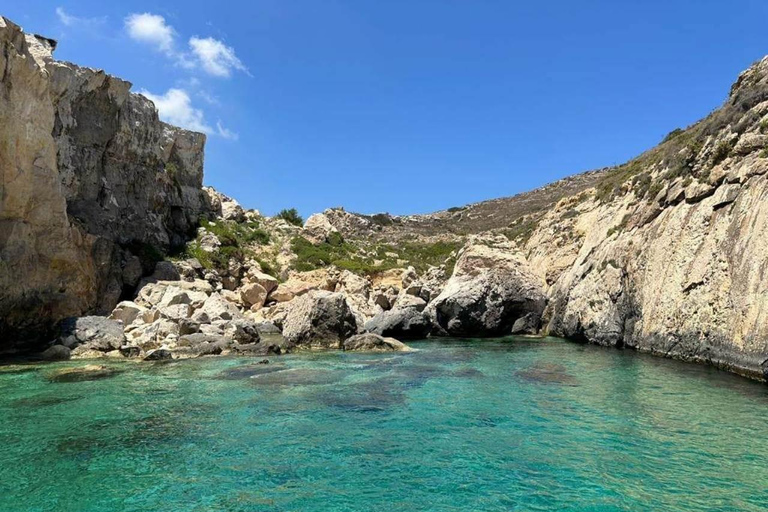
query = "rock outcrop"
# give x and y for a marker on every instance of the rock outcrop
(93, 187)
(491, 288)
(319, 319)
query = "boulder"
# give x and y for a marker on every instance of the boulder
(266, 281)
(130, 351)
(95, 332)
(203, 344)
(318, 228)
(406, 301)
(82, 373)
(159, 354)
(217, 307)
(253, 295)
(381, 299)
(165, 271)
(242, 331)
(369, 342)
(405, 323)
(126, 312)
(319, 319)
(291, 289)
(491, 288)
(223, 206)
(262, 348)
(177, 312)
(190, 269)
(56, 353)
(528, 324)
(173, 296)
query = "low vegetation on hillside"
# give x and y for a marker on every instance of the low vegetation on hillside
(237, 240)
(370, 260)
(291, 216)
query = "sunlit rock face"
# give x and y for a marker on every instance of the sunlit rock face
(92, 184)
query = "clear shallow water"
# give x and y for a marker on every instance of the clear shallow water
(509, 424)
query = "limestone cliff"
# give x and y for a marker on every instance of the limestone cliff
(93, 187)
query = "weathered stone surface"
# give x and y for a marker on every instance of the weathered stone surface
(318, 228)
(407, 301)
(242, 331)
(126, 312)
(319, 319)
(89, 175)
(223, 206)
(368, 342)
(93, 332)
(130, 351)
(492, 287)
(266, 281)
(159, 354)
(405, 323)
(56, 353)
(253, 295)
(291, 289)
(218, 308)
(82, 373)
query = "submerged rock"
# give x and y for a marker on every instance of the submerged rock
(82, 373)
(374, 343)
(547, 373)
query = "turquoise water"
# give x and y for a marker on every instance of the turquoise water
(466, 425)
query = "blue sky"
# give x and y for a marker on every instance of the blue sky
(411, 106)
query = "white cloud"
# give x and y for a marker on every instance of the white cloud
(68, 20)
(215, 57)
(175, 107)
(226, 133)
(152, 29)
(209, 54)
(64, 17)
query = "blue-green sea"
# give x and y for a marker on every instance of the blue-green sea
(459, 425)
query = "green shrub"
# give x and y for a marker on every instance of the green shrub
(722, 150)
(268, 268)
(291, 216)
(671, 135)
(347, 256)
(381, 219)
(234, 237)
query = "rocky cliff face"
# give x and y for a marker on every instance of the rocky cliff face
(93, 187)
(671, 257)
